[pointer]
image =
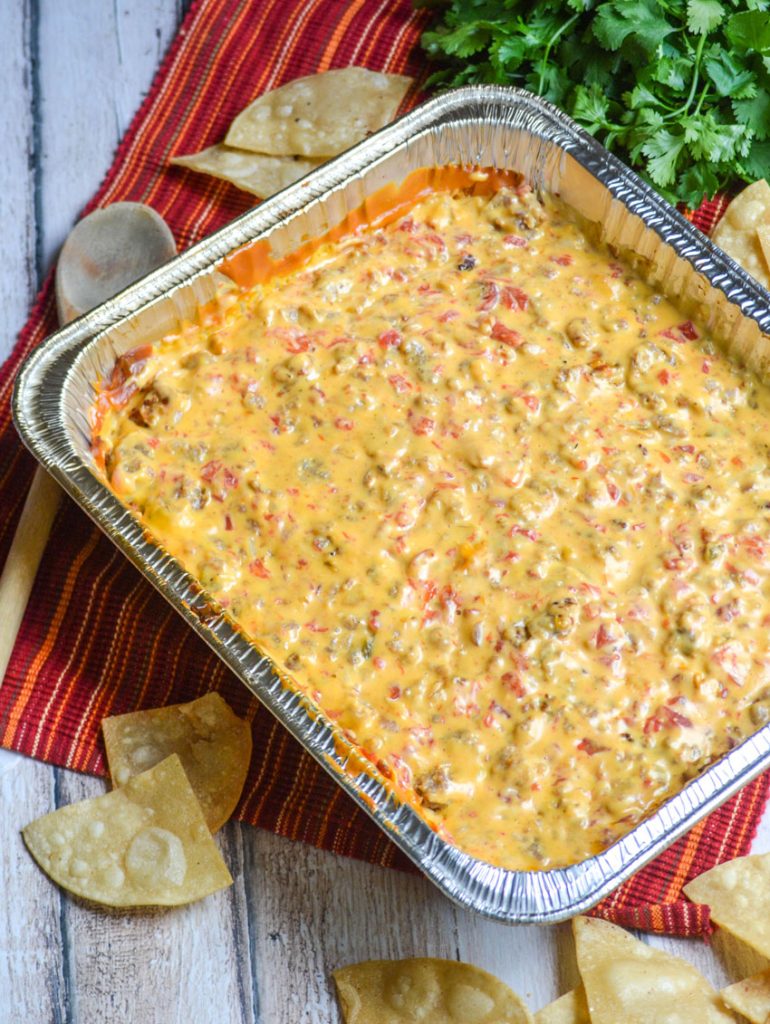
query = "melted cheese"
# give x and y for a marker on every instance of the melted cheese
(487, 499)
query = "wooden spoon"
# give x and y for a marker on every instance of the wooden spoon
(103, 254)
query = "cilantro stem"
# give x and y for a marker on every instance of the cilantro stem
(695, 77)
(706, 90)
(549, 46)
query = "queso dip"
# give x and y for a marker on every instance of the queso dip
(488, 500)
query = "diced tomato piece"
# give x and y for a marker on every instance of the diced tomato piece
(490, 296)
(507, 336)
(754, 545)
(675, 718)
(602, 636)
(513, 682)
(389, 339)
(589, 747)
(423, 425)
(666, 717)
(299, 343)
(524, 531)
(515, 298)
(210, 470)
(257, 568)
(129, 364)
(119, 396)
(399, 383)
(686, 331)
(342, 423)
(449, 597)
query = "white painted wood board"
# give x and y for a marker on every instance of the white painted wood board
(261, 953)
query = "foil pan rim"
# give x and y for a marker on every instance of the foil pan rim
(39, 408)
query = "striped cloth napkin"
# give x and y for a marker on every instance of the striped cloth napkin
(97, 639)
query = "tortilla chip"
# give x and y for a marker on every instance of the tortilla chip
(425, 990)
(146, 844)
(738, 893)
(736, 232)
(213, 744)
(763, 237)
(751, 997)
(257, 173)
(320, 115)
(627, 981)
(570, 1008)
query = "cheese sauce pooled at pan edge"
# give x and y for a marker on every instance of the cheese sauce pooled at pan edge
(486, 497)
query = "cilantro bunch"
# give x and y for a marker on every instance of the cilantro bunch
(680, 89)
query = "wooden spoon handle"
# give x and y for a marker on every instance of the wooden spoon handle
(24, 557)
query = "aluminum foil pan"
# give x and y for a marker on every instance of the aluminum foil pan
(485, 126)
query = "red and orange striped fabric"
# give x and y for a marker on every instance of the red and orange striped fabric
(97, 639)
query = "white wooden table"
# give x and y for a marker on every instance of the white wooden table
(74, 72)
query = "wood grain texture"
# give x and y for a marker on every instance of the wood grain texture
(156, 966)
(96, 62)
(33, 985)
(261, 952)
(19, 277)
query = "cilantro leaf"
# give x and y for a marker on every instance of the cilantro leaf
(663, 152)
(756, 163)
(590, 107)
(729, 75)
(619, 20)
(507, 51)
(712, 142)
(749, 31)
(703, 16)
(673, 72)
(463, 41)
(698, 181)
(755, 113)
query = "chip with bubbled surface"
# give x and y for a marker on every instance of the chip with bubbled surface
(145, 844)
(428, 990)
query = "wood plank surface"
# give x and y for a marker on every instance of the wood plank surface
(261, 952)
(18, 111)
(96, 60)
